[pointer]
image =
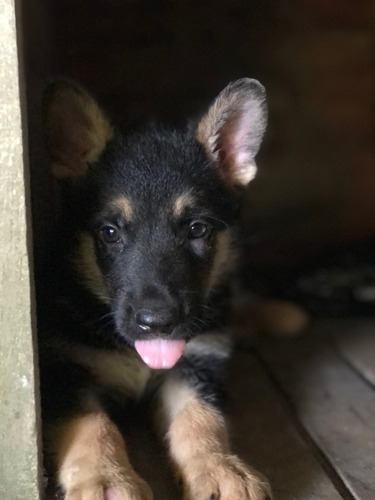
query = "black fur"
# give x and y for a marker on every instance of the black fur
(155, 264)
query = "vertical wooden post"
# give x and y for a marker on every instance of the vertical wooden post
(19, 415)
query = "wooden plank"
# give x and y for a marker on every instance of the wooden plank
(355, 341)
(264, 434)
(19, 460)
(334, 404)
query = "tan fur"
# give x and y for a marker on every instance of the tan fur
(87, 266)
(119, 370)
(124, 206)
(77, 130)
(200, 452)
(209, 127)
(183, 201)
(224, 259)
(209, 130)
(91, 459)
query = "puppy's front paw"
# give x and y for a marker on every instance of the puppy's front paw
(223, 477)
(108, 487)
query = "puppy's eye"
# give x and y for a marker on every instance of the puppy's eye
(198, 230)
(110, 234)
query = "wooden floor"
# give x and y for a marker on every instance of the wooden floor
(302, 411)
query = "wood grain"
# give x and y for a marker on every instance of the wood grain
(19, 460)
(265, 435)
(333, 403)
(355, 341)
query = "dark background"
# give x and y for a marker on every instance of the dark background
(311, 210)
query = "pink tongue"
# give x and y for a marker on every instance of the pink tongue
(160, 353)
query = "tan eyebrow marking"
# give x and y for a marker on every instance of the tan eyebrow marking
(123, 205)
(183, 201)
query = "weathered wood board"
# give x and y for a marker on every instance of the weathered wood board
(355, 341)
(19, 459)
(334, 404)
(265, 435)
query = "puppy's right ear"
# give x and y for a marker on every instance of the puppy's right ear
(77, 130)
(232, 130)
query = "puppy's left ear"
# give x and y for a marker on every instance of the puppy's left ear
(77, 130)
(232, 130)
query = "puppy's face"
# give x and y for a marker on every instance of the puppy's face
(153, 212)
(154, 238)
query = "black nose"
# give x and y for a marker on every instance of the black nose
(161, 320)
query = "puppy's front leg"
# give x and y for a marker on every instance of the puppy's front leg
(199, 449)
(91, 460)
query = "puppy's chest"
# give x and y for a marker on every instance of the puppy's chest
(121, 373)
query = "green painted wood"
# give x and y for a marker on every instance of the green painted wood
(19, 458)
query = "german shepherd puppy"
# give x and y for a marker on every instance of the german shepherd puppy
(133, 297)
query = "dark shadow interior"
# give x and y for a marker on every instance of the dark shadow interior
(309, 225)
(311, 206)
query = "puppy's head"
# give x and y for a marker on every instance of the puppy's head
(152, 213)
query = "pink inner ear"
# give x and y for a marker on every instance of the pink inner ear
(234, 146)
(112, 494)
(238, 138)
